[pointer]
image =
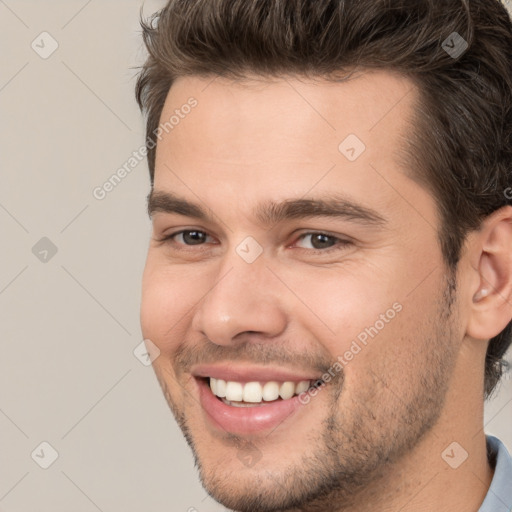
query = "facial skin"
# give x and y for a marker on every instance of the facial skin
(373, 436)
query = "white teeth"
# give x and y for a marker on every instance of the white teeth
(287, 390)
(213, 386)
(302, 386)
(256, 392)
(270, 391)
(240, 404)
(252, 392)
(234, 391)
(220, 388)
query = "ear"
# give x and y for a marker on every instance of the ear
(491, 308)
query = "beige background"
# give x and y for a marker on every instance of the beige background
(69, 325)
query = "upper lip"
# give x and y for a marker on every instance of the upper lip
(250, 373)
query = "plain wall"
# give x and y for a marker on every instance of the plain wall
(69, 324)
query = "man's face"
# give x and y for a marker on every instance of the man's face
(271, 288)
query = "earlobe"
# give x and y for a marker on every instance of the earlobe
(491, 308)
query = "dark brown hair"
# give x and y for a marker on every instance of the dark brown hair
(461, 147)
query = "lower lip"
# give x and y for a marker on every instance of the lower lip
(245, 420)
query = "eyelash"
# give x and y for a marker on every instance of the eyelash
(341, 243)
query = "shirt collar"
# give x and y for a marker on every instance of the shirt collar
(499, 496)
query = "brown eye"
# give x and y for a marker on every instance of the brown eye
(186, 237)
(317, 241)
(321, 241)
(192, 237)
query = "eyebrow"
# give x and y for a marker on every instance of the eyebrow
(271, 212)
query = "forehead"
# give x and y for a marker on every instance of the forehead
(287, 136)
(292, 107)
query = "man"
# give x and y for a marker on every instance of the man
(329, 280)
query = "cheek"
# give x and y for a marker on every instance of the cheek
(341, 305)
(403, 341)
(364, 313)
(166, 299)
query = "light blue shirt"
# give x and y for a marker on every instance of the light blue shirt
(499, 496)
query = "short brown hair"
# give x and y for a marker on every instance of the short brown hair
(461, 148)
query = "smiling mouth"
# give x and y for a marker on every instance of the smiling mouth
(257, 393)
(251, 401)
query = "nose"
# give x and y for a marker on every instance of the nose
(243, 299)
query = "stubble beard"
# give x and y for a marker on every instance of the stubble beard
(347, 457)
